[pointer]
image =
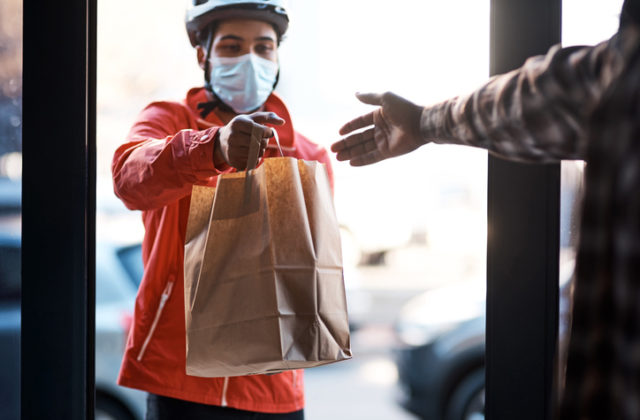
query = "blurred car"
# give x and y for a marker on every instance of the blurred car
(10, 196)
(118, 270)
(441, 358)
(117, 265)
(10, 326)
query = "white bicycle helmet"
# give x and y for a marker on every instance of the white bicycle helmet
(202, 12)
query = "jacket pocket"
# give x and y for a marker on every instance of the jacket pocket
(163, 301)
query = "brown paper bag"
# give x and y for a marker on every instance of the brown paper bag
(264, 288)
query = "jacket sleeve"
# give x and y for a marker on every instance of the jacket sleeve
(317, 153)
(162, 159)
(537, 113)
(324, 158)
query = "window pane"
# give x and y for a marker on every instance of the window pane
(131, 260)
(128, 74)
(413, 228)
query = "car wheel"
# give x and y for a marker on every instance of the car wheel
(107, 409)
(467, 398)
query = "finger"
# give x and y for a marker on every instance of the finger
(260, 131)
(367, 159)
(267, 118)
(354, 152)
(244, 126)
(362, 149)
(239, 155)
(360, 146)
(337, 146)
(357, 123)
(370, 98)
(246, 129)
(240, 139)
(263, 131)
(353, 140)
(238, 164)
(239, 160)
(263, 146)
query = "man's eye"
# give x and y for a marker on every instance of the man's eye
(264, 49)
(231, 47)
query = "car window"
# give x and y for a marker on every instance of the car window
(9, 273)
(131, 259)
(112, 280)
(10, 194)
(107, 288)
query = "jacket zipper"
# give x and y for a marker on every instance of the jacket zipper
(223, 400)
(163, 301)
(294, 378)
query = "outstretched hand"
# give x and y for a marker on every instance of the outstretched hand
(391, 130)
(234, 139)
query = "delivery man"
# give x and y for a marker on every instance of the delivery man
(171, 147)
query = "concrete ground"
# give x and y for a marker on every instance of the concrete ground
(361, 388)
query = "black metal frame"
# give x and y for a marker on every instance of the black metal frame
(58, 215)
(523, 243)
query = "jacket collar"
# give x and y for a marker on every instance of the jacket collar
(274, 104)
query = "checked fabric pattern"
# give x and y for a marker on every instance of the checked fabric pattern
(578, 103)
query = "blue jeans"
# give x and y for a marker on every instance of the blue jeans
(165, 408)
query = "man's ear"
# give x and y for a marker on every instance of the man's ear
(202, 56)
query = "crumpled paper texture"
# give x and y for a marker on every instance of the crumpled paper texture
(264, 288)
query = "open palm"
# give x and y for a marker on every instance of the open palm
(391, 130)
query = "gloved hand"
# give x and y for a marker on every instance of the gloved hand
(395, 131)
(233, 140)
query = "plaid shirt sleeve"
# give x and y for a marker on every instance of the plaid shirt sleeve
(537, 113)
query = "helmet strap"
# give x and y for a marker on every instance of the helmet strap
(216, 102)
(207, 65)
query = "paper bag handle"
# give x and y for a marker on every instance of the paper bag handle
(254, 146)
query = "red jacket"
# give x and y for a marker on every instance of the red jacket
(169, 149)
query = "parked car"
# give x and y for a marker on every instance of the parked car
(118, 270)
(441, 358)
(10, 326)
(10, 196)
(115, 294)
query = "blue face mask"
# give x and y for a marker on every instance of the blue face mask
(244, 83)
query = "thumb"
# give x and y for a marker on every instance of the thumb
(370, 98)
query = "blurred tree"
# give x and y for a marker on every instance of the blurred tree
(10, 76)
